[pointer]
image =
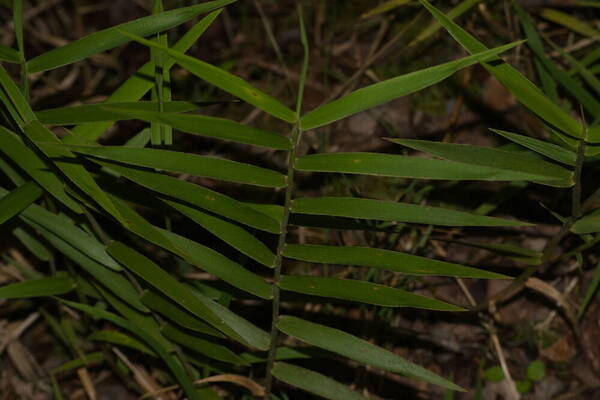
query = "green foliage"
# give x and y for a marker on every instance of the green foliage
(136, 275)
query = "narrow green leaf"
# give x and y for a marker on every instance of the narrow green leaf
(33, 165)
(111, 280)
(517, 84)
(570, 84)
(174, 366)
(570, 22)
(382, 92)
(384, 7)
(32, 244)
(17, 200)
(384, 259)
(218, 316)
(390, 211)
(52, 286)
(539, 170)
(587, 224)
(141, 82)
(121, 339)
(176, 314)
(64, 228)
(590, 292)
(547, 149)
(224, 80)
(187, 163)
(99, 112)
(314, 382)
(17, 100)
(361, 291)
(219, 128)
(511, 251)
(232, 234)
(86, 360)
(9, 55)
(202, 346)
(199, 196)
(220, 266)
(110, 38)
(64, 160)
(357, 349)
(404, 167)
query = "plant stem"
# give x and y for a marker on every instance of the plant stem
(296, 136)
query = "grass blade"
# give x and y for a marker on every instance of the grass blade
(384, 259)
(357, 349)
(231, 234)
(547, 149)
(110, 38)
(210, 167)
(165, 283)
(225, 81)
(390, 211)
(176, 314)
(99, 112)
(361, 291)
(587, 224)
(314, 382)
(52, 286)
(218, 128)
(36, 168)
(405, 167)
(382, 92)
(570, 22)
(199, 196)
(17, 200)
(202, 346)
(491, 157)
(590, 292)
(9, 54)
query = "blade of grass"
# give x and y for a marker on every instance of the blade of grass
(17, 200)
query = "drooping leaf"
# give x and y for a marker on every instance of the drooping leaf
(517, 84)
(314, 382)
(65, 160)
(33, 165)
(99, 112)
(141, 82)
(9, 55)
(390, 211)
(176, 314)
(218, 128)
(199, 196)
(224, 80)
(174, 366)
(17, 200)
(121, 339)
(350, 346)
(31, 243)
(14, 100)
(361, 291)
(109, 38)
(384, 7)
(382, 92)
(86, 360)
(384, 259)
(66, 230)
(110, 279)
(187, 163)
(203, 308)
(539, 170)
(587, 224)
(547, 149)
(205, 347)
(230, 233)
(404, 167)
(217, 264)
(590, 292)
(52, 286)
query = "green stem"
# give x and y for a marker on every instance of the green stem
(291, 162)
